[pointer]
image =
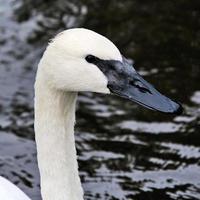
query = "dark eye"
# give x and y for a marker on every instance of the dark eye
(90, 58)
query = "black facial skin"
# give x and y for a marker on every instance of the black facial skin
(124, 81)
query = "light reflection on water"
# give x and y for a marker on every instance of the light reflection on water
(153, 127)
(125, 151)
(196, 97)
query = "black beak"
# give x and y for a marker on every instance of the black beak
(124, 81)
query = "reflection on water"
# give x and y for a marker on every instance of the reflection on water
(125, 151)
(196, 97)
(155, 127)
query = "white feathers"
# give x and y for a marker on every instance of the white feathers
(62, 72)
(79, 42)
(8, 191)
(64, 66)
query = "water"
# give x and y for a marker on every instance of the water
(125, 151)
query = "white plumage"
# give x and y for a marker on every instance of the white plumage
(8, 191)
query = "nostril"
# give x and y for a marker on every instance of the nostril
(139, 86)
(132, 82)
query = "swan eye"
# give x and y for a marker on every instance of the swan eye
(90, 58)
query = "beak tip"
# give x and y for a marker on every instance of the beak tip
(179, 110)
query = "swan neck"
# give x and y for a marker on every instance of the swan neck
(56, 152)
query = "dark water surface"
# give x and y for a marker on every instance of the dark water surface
(125, 151)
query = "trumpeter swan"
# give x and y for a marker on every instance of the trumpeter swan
(76, 60)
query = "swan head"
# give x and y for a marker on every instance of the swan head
(82, 60)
